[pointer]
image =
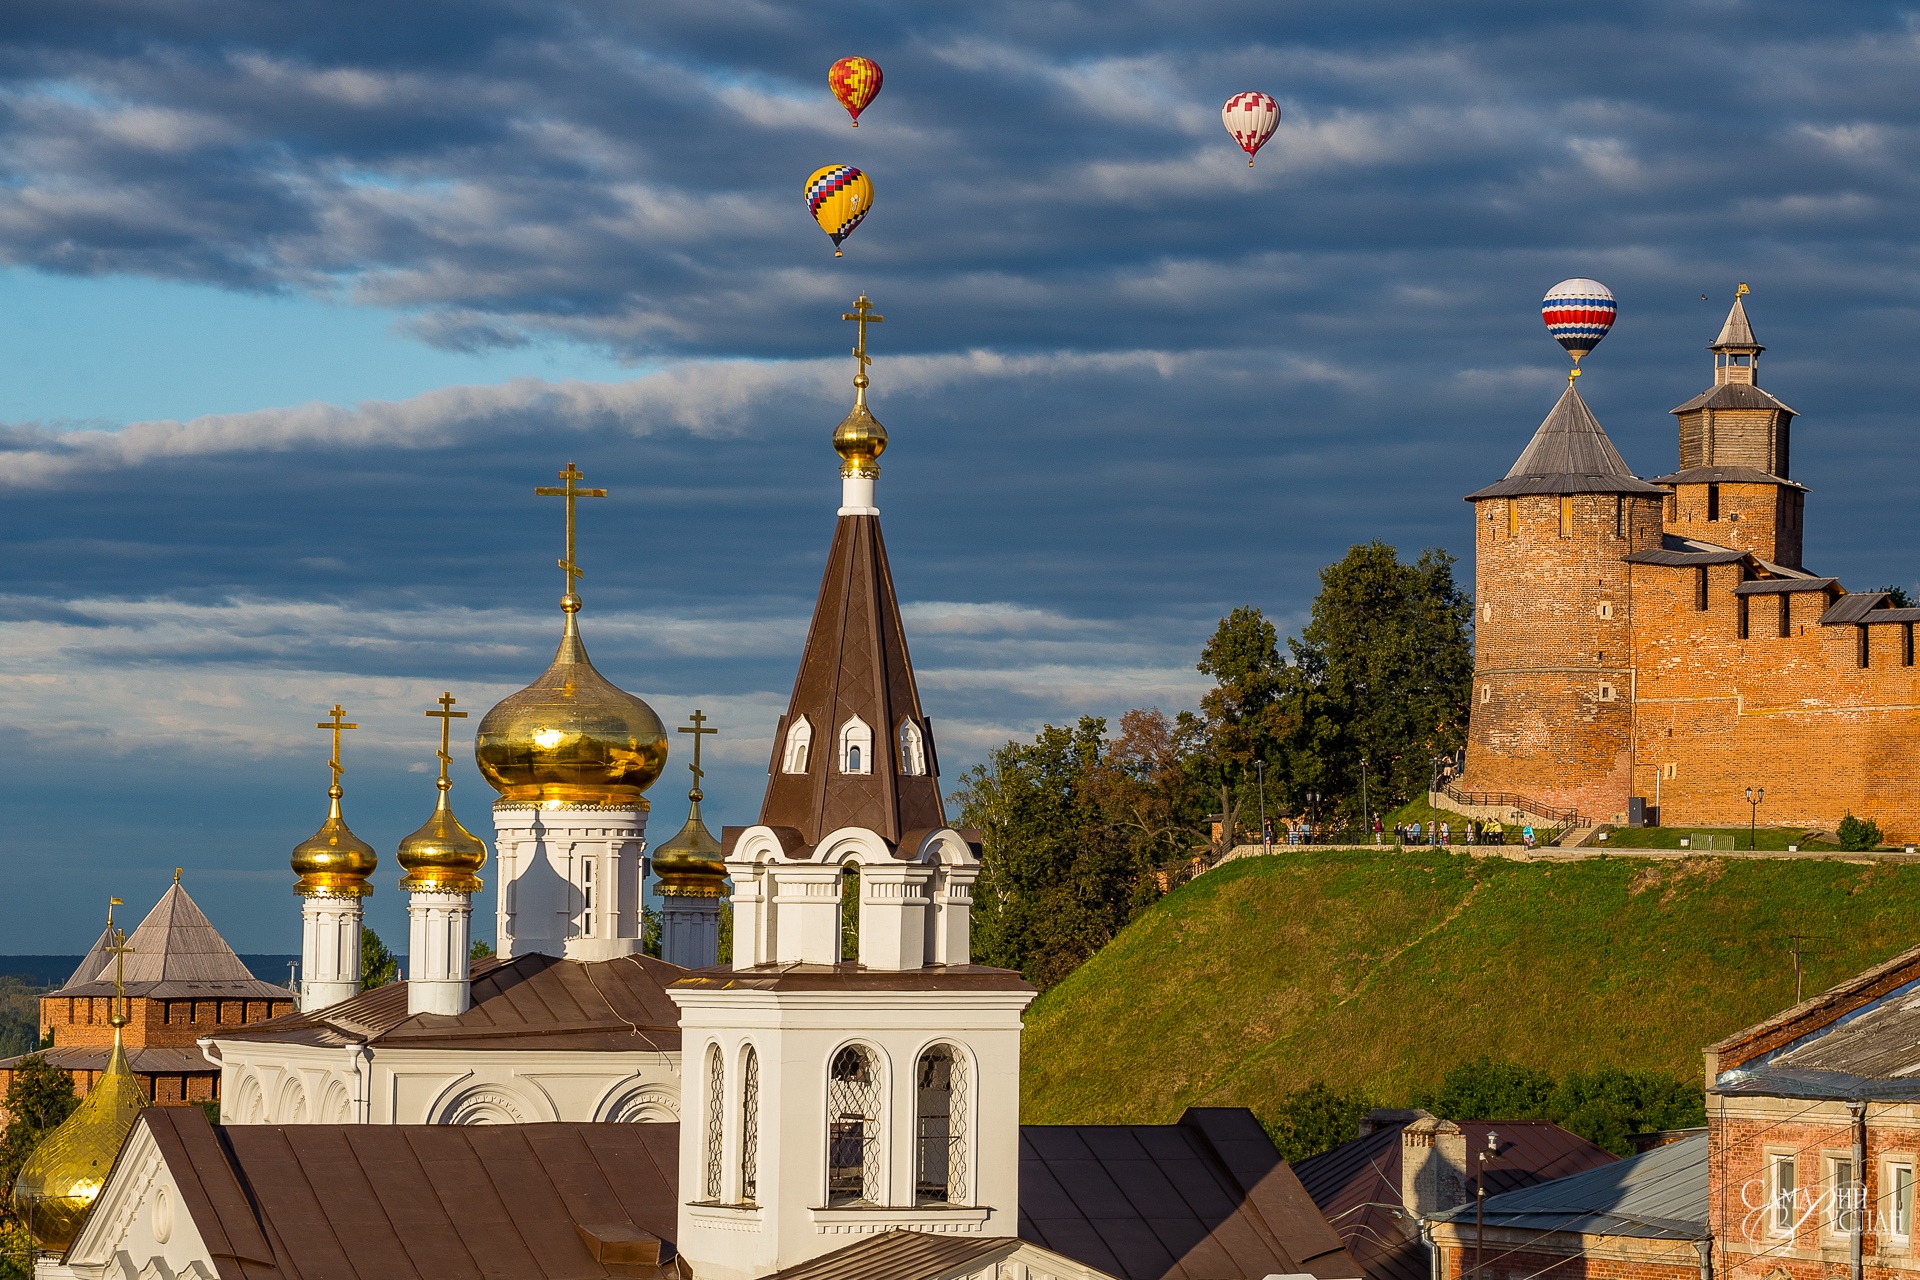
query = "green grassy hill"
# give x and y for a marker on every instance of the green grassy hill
(1380, 971)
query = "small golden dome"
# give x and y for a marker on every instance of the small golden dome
(333, 862)
(572, 736)
(442, 856)
(62, 1177)
(692, 864)
(860, 439)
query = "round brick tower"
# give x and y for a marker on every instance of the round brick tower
(1553, 665)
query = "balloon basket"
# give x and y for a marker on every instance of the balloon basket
(836, 253)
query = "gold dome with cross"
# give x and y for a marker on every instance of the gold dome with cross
(572, 737)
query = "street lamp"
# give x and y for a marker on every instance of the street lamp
(1266, 840)
(1313, 807)
(1480, 1205)
(1754, 796)
(1366, 815)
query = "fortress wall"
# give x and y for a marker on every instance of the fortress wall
(1761, 518)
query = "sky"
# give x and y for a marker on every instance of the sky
(299, 302)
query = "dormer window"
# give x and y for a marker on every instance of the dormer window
(799, 743)
(856, 747)
(913, 750)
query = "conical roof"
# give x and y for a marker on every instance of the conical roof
(97, 959)
(176, 950)
(1570, 453)
(1736, 333)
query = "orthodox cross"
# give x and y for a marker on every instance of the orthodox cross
(699, 719)
(119, 950)
(446, 715)
(862, 316)
(570, 493)
(336, 724)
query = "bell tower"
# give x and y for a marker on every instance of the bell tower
(853, 1072)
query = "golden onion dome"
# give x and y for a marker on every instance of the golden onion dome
(572, 736)
(860, 439)
(442, 856)
(62, 1177)
(333, 862)
(692, 864)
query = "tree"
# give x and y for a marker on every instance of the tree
(378, 966)
(1241, 717)
(1898, 597)
(1606, 1104)
(1488, 1089)
(1382, 672)
(1315, 1119)
(480, 950)
(38, 1099)
(1857, 834)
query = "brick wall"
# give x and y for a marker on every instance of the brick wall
(1762, 518)
(1536, 1255)
(81, 1021)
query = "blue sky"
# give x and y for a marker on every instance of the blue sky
(296, 307)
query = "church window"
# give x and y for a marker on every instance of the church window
(1713, 502)
(586, 896)
(913, 750)
(716, 1118)
(750, 1126)
(940, 1138)
(799, 743)
(853, 1127)
(1566, 515)
(856, 747)
(850, 913)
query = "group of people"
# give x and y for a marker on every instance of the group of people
(1442, 833)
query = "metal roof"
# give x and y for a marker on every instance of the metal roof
(1733, 395)
(1207, 1198)
(1728, 475)
(1357, 1185)
(1736, 332)
(1659, 1195)
(1783, 586)
(907, 1255)
(1852, 608)
(176, 953)
(1681, 559)
(160, 1060)
(1569, 453)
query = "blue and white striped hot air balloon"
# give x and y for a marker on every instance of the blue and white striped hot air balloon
(1578, 313)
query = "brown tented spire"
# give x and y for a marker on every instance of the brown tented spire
(854, 749)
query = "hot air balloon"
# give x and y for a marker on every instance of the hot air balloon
(839, 196)
(1578, 313)
(856, 82)
(1251, 119)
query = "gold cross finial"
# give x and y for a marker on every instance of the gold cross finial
(1742, 291)
(119, 950)
(571, 601)
(336, 724)
(699, 719)
(446, 715)
(176, 874)
(863, 316)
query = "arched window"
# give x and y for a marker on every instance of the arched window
(853, 1127)
(940, 1135)
(716, 1118)
(750, 1126)
(799, 743)
(856, 747)
(913, 750)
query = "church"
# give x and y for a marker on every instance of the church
(1653, 650)
(576, 1108)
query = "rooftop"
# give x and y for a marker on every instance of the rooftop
(177, 953)
(1660, 1194)
(1569, 453)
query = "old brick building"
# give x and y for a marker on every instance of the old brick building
(1660, 641)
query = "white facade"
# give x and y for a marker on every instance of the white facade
(439, 928)
(265, 1082)
(690, 931)
(571, 878)
(329, 950)
(140, 1226)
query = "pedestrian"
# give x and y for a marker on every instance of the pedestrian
(1446, 833)
(1526, 835)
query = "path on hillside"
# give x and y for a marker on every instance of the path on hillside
(1367, 975)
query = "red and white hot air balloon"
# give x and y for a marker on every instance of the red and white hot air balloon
(1251, 118)
(1578, 312)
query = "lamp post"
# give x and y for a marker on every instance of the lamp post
(1366, 815)
(1266, 840)
(1754, 796)
(1480, 1206)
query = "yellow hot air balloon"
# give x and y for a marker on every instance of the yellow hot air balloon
(839, 196)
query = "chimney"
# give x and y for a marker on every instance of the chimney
(1433, 1166)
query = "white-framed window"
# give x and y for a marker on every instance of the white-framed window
(586, 896)
(940, 1132)
(856, 746)
(1669, 770)
(1844, 1195)
(913, 750)
(1486, 612)
(1606, 609)
(1899, 1200)
(1782, 1189)
(1607, 692)
(853, 1127)
(716, 1119)
(1486, 693)
(793, 757)
(749, 1126)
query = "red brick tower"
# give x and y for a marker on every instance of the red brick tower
(1553, 687)
(1732, 488)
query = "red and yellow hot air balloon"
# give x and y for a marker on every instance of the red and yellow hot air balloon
(856, 82)
(839, 196)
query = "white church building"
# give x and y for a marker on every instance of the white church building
(575, 1108)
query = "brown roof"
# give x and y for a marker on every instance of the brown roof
(1853, 608)
(164, 1060)
(849, 976)
(1727, 475)
(176, 953)
(1207, 1198)
(855, 663)
(1736, 332)
(1570, 453)
(905, 1255)
(1357, 1185)
(1678, 552)
(529, 1002)
(395, 1202)
(1733, 395)
(1783, 586)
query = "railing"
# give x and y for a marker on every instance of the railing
(1555, 819)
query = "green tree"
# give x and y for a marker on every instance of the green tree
(1315, 1119)
(1382, 672)
(38, 1099)
(378, 966)
(1606, 1104)
(1857, 834)
(480, 950)
(1491, 1089)
(1898, 597)
(1241, 720)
